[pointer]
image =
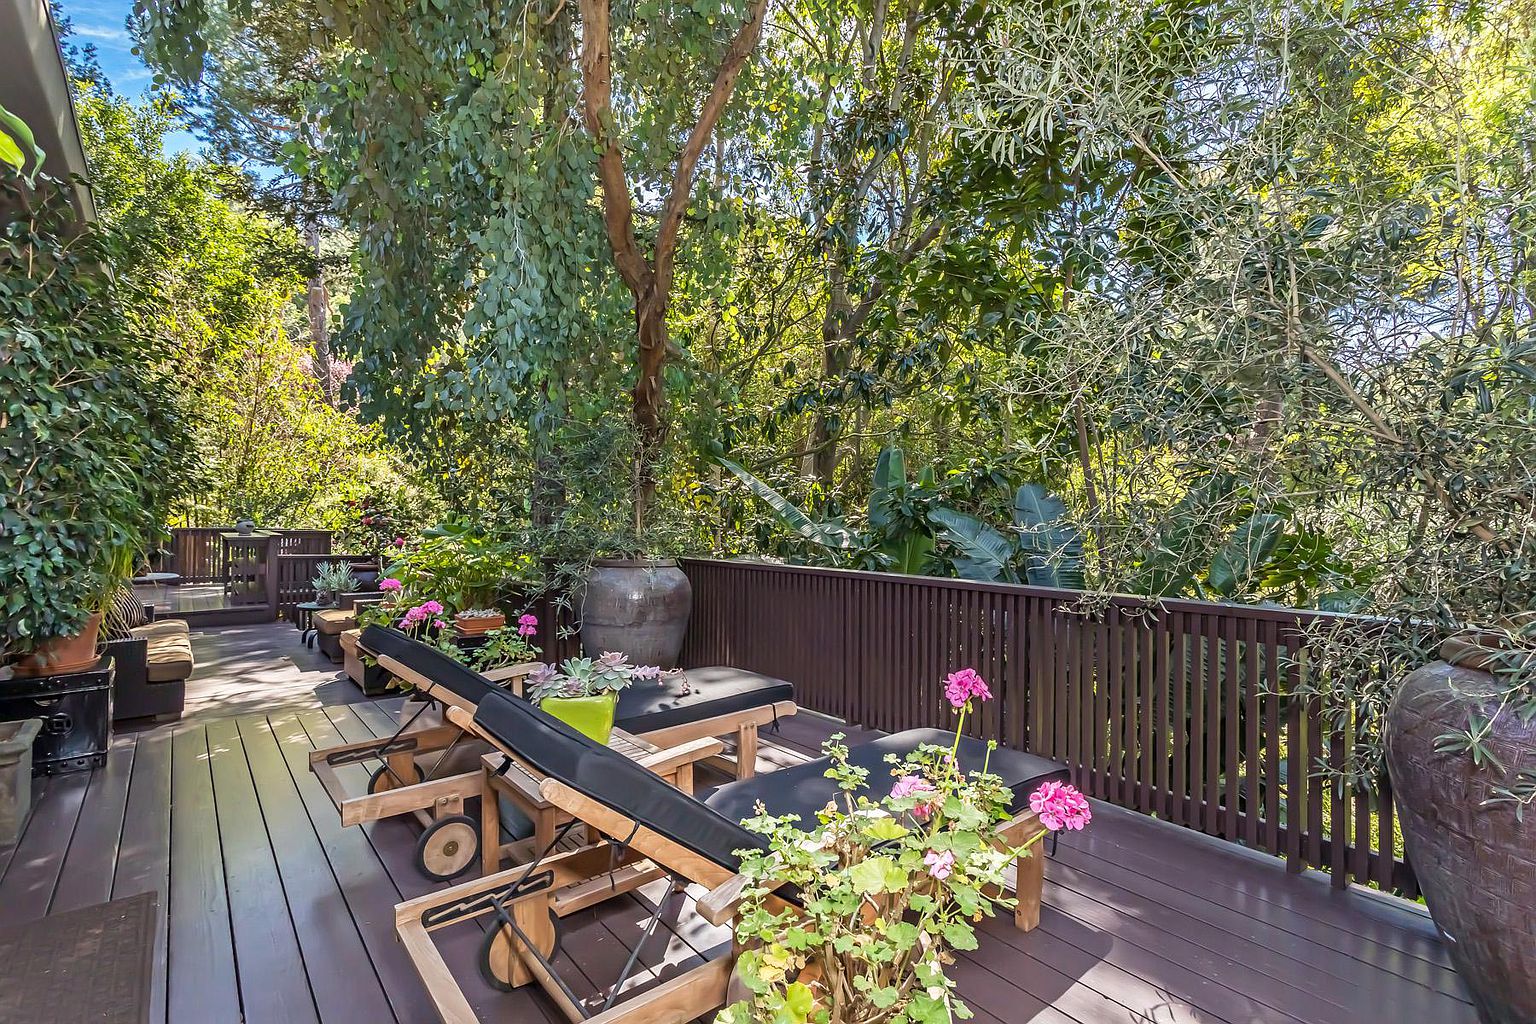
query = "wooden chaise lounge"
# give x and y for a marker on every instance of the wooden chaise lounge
(656, 829)
(422, 769)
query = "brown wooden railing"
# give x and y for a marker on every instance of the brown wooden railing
(199, 557)
(1194, 712)
(296, 571)
(197, 554)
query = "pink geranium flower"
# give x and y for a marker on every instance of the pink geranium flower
(909, 786)
(940, 865)
(1060, 807)
(432, 607)
(961, 687)
(391, 586)
(527, 625)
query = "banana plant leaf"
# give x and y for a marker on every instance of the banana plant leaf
(890, 476)
(1243, 556)
(985, 554)
(911, 553)
(823, 534)
(1053, 545)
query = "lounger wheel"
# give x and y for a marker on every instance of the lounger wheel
(383, 780)
(495, 959)
(448, 848)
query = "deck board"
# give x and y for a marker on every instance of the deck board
(265, 940)
(201, 979)
(86, 875)
(144, 849)
(276, 912)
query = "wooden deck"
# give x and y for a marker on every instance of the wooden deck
(278, 915)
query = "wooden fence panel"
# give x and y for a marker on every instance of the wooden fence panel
(197, 554)
(1194, 711)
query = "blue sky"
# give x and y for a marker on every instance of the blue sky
(103, 23)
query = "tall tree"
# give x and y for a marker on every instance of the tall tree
(649, 278)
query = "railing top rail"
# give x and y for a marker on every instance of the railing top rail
(1130, 602)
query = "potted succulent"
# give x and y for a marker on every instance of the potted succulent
(331, 580)
(1461, 752)
(889, 888)
(584, 692)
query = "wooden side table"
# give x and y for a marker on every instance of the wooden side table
(304, 620)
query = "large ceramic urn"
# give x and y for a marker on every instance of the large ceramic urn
(1475, 862)
(639, 607)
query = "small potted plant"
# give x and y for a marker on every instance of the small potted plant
(509, 645)
(331, 580)
(889, 888)
(584, 692)
(478, 621)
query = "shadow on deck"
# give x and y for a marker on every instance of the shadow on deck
(272, 912)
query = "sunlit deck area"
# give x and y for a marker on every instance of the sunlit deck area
(271, 911)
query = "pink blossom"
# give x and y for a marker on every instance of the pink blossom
(961, 687)
(432, 607)
(909, 786)
(940, 865)
(1060, 807)
(527, 625)
(439, 623)
(391, 585)
(399, 542)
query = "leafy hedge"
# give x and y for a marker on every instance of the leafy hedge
(92, 444)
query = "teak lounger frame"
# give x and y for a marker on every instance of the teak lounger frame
(530, 898)
(451, 842)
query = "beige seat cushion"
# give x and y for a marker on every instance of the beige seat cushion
(161, 629)
(168, 659)
(334, 621)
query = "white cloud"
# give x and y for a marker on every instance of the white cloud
(116, 35)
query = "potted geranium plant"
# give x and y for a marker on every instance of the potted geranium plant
(888, 888)
(584, 692)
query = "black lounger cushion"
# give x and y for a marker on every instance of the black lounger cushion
(804, 789)
(560, 752)
(470, 685)
(717, 690)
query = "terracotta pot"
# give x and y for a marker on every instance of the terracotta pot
(1475, 863)
(63, 654)
(638, 607)
(477, 625)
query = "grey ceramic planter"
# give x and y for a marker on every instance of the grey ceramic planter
(638, 607)
(1476, 863)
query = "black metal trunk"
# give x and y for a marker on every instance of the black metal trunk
(76, 710)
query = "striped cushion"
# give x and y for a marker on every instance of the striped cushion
(123, 613)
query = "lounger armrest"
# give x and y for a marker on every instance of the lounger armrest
(512, 676)
(719, 905)
(668, 761)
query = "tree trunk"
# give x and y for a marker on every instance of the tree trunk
(649, 395)
(834, 364)
(649, 279)
(318, 305)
